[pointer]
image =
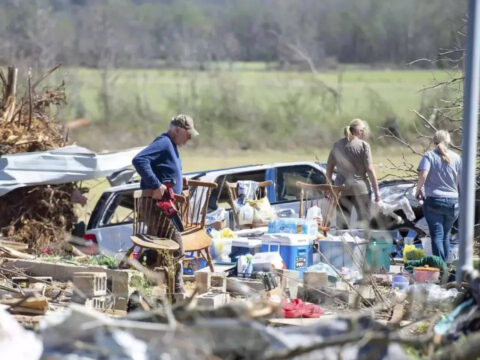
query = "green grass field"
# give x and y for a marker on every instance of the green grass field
(401, 89)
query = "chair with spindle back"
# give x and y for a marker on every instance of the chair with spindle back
(193, 212)
(153, 230)
(313, 194)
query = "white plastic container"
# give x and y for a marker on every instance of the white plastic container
(266, 261)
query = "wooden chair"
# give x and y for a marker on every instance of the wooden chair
(193, 212)
(152, 230)
(233, 196)
(312, 194)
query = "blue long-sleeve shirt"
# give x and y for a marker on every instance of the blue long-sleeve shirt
(159, 163)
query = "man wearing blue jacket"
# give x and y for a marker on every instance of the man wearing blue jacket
(159, 163)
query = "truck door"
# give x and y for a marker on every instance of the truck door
(287, 195)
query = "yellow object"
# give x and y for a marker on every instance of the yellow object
(227, 233)
(410, 252)
(263, 210)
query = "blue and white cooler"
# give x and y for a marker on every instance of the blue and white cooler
(296, 250)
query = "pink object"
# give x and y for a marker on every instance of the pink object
(426, 274)
(297, 308)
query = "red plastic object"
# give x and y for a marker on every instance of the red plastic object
(297, 308)
(312, 311)
(91, 245)
(293, 309)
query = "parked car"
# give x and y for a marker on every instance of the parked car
(110, 224)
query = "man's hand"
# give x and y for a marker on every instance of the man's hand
(378, 198)
(158, 193)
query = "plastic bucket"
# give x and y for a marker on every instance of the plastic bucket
(378, 256)
(400, 282)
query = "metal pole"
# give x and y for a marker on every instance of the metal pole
(469, 141)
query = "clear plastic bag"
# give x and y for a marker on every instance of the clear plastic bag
(245, 215)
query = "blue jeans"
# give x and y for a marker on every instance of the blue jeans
(440, 213)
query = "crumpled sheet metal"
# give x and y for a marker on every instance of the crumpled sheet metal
(63, 165)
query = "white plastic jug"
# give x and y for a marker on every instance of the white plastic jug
(314, 213)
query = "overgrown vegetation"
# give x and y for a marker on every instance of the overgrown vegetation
(244, 109)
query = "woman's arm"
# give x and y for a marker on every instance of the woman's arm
(329, 173)
(373, 180)
(422, 177)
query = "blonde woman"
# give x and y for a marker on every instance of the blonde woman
(439, 171)
(352, 158)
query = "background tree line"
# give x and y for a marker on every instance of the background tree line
(181, 33)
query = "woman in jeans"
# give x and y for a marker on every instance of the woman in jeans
(439, 170)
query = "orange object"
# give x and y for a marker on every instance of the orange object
(426, 274)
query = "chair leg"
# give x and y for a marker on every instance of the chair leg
(209, 259)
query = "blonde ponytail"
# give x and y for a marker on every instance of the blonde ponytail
(348, 133)
(442, 139)
(354, 127)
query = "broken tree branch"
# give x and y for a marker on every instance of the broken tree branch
(44, 76)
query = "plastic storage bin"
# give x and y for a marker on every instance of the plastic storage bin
(243, 246)
(296, 250)
(335, 250)
(354, 232)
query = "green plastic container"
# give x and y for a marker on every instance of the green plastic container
(379, 249)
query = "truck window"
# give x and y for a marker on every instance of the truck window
(220, 195)
(120, 210)
(287, 177)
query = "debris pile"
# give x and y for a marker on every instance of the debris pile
(27, 124)
(41, 215)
